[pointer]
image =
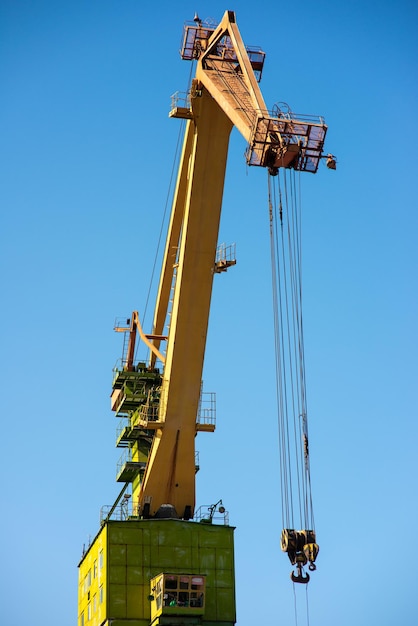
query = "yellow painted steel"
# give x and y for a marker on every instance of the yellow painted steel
(188, 266)
(170, 473)
(116, 570)
(239, 96)
(146, 338)
(241, 100)
(173, 237)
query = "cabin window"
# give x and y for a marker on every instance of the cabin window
(183, 591)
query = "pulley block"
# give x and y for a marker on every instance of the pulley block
(301, 548)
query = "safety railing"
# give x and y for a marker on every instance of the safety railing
(180, 99)
(207, 408)
(127, 466)
(123, 423)
(212, 514)
(121, 512)
(282, 138)
(225, 257)
(138, 366)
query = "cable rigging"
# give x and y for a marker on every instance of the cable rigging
(295, 483)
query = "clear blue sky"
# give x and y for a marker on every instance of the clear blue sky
(86, 156)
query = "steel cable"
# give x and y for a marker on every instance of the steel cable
(286, 262)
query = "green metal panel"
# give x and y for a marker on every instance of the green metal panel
(117, 600)
(117, 554)
(137, 550)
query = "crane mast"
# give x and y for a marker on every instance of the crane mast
(159, 400)
(170, 474)
(224, 93)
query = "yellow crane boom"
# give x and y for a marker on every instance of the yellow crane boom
(142, 567)
(224, 93)
(169, 477)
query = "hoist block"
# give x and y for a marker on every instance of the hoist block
(300, 546)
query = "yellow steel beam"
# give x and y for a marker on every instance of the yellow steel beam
(173, 237)
(237, 93)
(170, 473)
(146, 338)
(241, 100)
(224, 93)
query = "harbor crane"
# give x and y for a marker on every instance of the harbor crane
(156, 560)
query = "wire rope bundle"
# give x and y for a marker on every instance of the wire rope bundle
(295, 482)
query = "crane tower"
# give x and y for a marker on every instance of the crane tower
(155, 559)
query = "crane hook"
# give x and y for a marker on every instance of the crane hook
(300, 578)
